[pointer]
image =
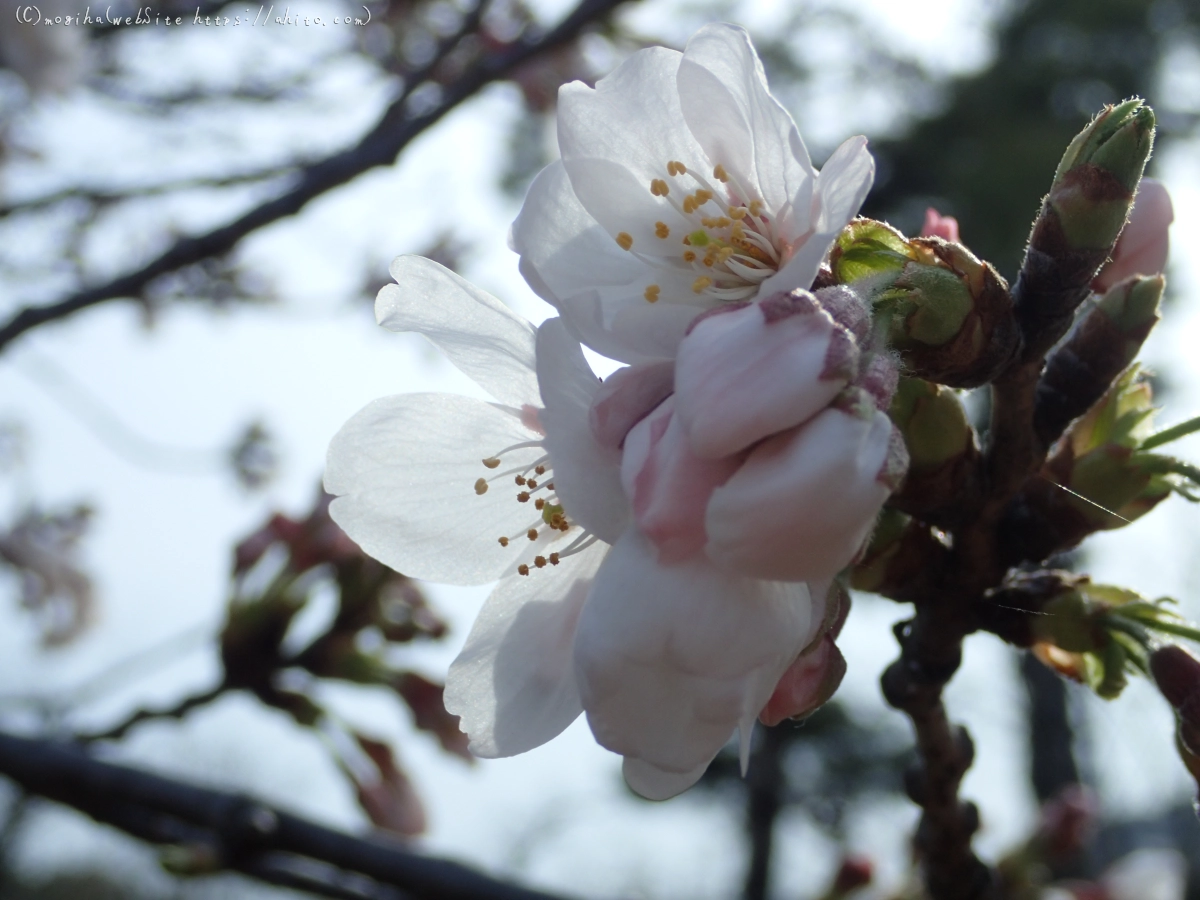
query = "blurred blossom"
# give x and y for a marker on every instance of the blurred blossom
(48, 57)
(254, 457)
(43, 549)
(1144, 244)
(937, 225)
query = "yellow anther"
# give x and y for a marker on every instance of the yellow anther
(651, 293)
(531, 534)
(539, 503)
(523, 497)
(737, 212)
(701, 284)
(481, 486)
(491, 462)
(624, 240)
(709, 259)
(720, 174)
(540, 470)
(737, 232)
(755, 207)
(687, 239)
(674, 167)
(554, 559)
(659, 188)
(540, 562)
(520, 479)
(724, 254)
(522, 569)
(661, 230)
(708, 222)
(722, 222)
(689, 255)
(689, 204)
(503, 542)
(702, 196)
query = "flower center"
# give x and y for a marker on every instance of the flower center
(730, 247)
(534, 486)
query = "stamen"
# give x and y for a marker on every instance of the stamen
(531, 534)
(689, 204)
(540, 562)
(532, 484)
(491, 462)
(699, 285)
(523, 497)
(554, 559)
(755, 207)
(481, 486)
(652, 291)
(522, 569)
(520, 479)
(737, 212)
(702, 196)
(661, 230)
(503, 542)
(659, 188)
(625, 240)
(539, 470)
(674, 167)
(720, 174)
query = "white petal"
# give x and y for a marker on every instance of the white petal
(649, 781)
(587, 476)
(843, 184)
(632, 117)
(725, 100)
(672, 658)
(514, 685)
(484, 338)
(404, 469)
(576, 266)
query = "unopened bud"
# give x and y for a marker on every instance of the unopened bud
(1096, 179)
(1144, 245)
(1177, 674)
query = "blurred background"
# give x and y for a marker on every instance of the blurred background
(163, 542)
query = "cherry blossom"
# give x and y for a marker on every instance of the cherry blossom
(1144, 244)
(683, 185)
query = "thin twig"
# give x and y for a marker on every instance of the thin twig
(379, 147)
(178, 711)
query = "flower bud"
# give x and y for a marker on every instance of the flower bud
(807, 684)
(759, 370)
(1096, 179)
(1144, 244)
(1104, 341)
(804, 501)
(950, 314)
(937, 225)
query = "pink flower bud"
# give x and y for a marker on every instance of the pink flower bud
(1143, 246)
(668, 485)
(807, 684)
(747, 374)
(804, 501)
(937, 225)
(626, 397)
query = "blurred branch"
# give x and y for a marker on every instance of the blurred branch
(104, 197)
(216, 830)
(178, 711)
(379, 147)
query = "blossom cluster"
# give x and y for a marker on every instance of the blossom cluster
(667, 541)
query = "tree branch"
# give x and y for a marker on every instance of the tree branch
(379, 147)
(231, 831)
(178, 711)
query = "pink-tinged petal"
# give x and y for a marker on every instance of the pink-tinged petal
(937, 225)
(804, 501)
(1143, 246)
(486, 340)
(668, 485)
(671, 659)
(626, 397)
(728, 108)
(514, 684)
(847, 308)
(404, 471)
(807, 684)
(587, 474)
(740, 377)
